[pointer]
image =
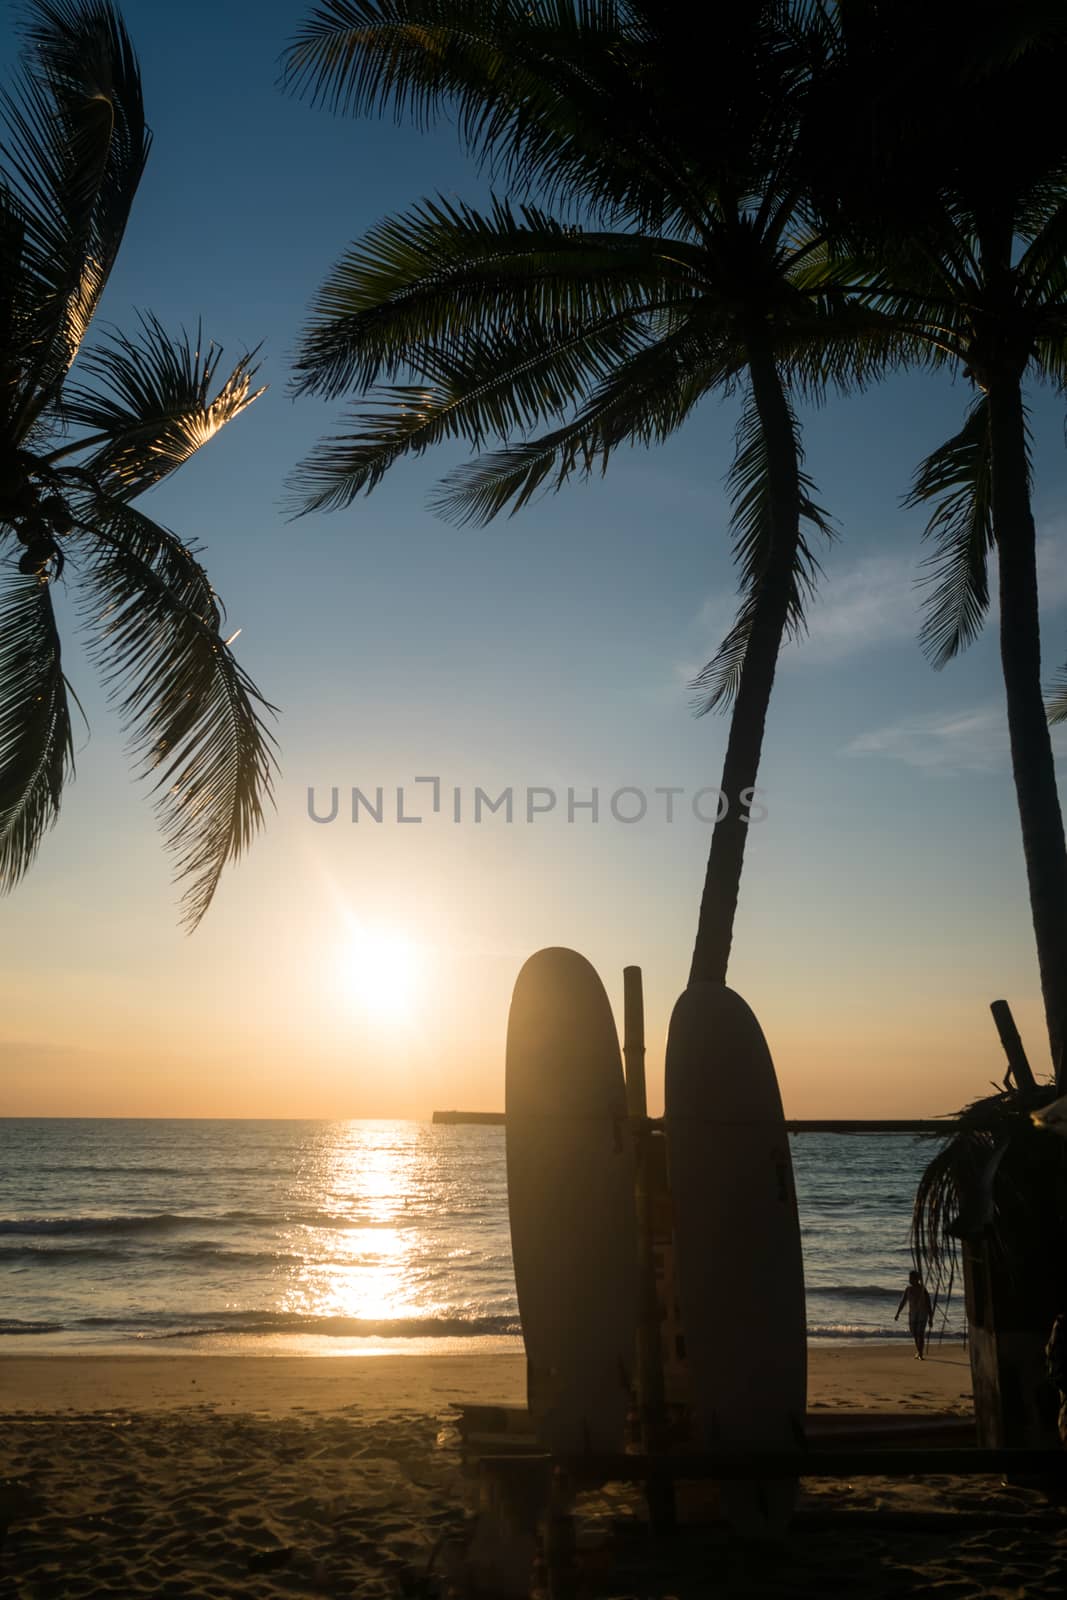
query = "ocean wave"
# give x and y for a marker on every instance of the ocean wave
(163, 1327)
(325, 1220)
(59, 1255)
(117, 1170)
(192, 1325)
(162, 1222)
(844, 1330)
(186, 1228)
(53, 1250)
(854, 1291)
(168, 1222)
(205, 1252)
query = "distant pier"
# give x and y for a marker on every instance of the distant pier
(485, 1118)
(915, 1125)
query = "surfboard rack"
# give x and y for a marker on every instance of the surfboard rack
(826, 1462)
(525, 1539)
(508, 1430)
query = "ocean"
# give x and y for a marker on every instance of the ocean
(342, 1236)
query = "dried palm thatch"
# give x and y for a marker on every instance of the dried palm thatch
(997, 1177)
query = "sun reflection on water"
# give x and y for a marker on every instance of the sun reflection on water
(362, 1257)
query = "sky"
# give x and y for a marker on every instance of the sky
(364, 969)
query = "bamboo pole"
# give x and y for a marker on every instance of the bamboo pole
(1018, 1066)
(651, 1399)
(633, 1047)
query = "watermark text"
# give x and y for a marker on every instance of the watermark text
(429, 798)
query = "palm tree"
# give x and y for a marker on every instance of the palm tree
(951, 185)
(656, 254)
(77, 446)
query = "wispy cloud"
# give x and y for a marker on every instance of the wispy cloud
(877, 601)
(873, 602)
(944, 743)
(1052, 564)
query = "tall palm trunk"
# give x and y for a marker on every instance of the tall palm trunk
(1031, 746)
(718, 905)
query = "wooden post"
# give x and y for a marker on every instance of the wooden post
(633, 1048)
(558, 1541)
(1018, 1065)
(513, 1493)
(650, 1392)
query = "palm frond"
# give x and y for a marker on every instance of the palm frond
(957, 478)
(358, 56)
(1057, 706)
(529, 85)
(505, 381)
(951, 1176)
(834, 338)
(644, 400)
(510, 478)
(1042, 268)
(150, 405)
(72, 151)
(442, 272)
(587, 100)
(606, 105)
(749, 484)
(12, 235)
(36, 750)
(978, 1180)
(194, 716)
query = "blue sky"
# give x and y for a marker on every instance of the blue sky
(884, 901)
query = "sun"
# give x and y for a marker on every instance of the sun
(381, 974)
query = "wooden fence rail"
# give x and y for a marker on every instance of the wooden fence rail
(821, 1463)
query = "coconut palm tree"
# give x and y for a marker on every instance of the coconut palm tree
(84, 430)
(653, 252)
(950, 169)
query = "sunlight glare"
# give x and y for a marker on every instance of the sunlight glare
(381, 974)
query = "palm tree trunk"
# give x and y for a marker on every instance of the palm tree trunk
(740, 770)
(1031, 746)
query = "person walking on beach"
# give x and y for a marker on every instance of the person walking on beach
(920, 1312)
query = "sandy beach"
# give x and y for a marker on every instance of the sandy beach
(869, 1377)
(226, 1475)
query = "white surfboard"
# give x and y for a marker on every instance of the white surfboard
(571, 1203)
(737, 1237)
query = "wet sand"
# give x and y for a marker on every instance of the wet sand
(859, 1377)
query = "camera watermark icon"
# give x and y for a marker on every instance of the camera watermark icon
(628, 805)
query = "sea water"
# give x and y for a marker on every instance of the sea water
(334, 1236)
